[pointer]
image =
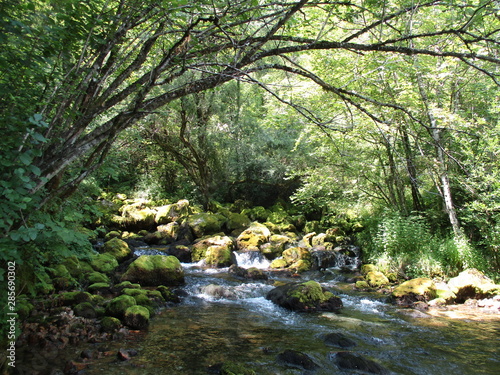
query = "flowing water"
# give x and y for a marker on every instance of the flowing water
(236, 323)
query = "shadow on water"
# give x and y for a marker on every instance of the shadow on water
(203, 331)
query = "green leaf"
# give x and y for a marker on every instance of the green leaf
(25, 158)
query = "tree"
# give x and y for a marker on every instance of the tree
(125, 60)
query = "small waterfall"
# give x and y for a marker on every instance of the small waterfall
(249, 259)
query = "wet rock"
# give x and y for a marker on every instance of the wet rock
(339, 340)
(307, 296)
(322, 259)
(153, 270)
(250, 273)
(297, 359)
(217, 291)
(349, 361)
(181, 251)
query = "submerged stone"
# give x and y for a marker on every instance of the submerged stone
(339, 340)
(349, 361)
(297, 359)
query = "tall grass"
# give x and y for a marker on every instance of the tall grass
(406, 245)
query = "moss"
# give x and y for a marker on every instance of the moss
(419, 287)
(97, 277)
(85, 309)
(232, 368)
(74, 298)
(110, 324)
(310, 291)
(152, 270)
(118, 305)
(117, 248)
(365, 268)
(137, 317)
(205, 223)
(295, 254)
(278, 263)
(300, 266)
(104, 263)
(112, 234)
(362, 284)
(168, 294)
(23, 307)
(251, 238)
(98, 287)
(77, 268)
(128, 285)
(237, 221)
(218, 256)
(376, 279)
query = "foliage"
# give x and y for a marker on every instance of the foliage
(408, 246)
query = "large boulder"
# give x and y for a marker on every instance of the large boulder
(276, 245)
(308, 296)
(237, 221)
(297, 259)
(252, 237)
(408, 293)
(136, 216)
(117, 248)
(205, 223)
(474, 284)
(172, 212)
(154, 270)
(211, 246)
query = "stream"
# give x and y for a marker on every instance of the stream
(240, 325)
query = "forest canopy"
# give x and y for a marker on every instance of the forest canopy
(387, 109)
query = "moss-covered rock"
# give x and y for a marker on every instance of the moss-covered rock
(297, 258)
(117, 306)
(112, 234)
(137, 317)
(85, 310)
(200, 248)
(252, 237)
(173, 212)
(365, 268)
(168, 294)
(276, 245)
(472, 283)
(73, 298)
(415, 290)
(97, 277)
(110, 324)
(153, 270)
(306, 296)
(104, 263)
(218, 256)
(236, 221)
(118, 249)
(205, 223)
(376, 279)
(278, 263)
(257, 213)
(77, 268)
(99, 288)
(137, 215)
